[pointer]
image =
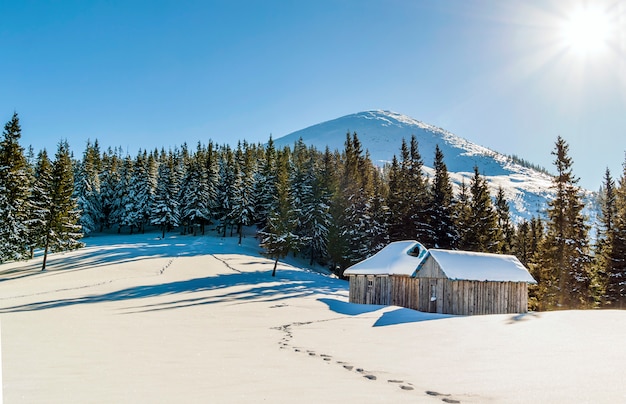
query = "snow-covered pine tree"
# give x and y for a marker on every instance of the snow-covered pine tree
(356, 189)
(506, 229)
(616, 271)
(401, 225)
(278, 237)
(227, 172)
(462, 211)
(300, 185)
(441, 208)
(87, 189)
(15, 187)
(315, 215)
(482, 231)
(379, 226)
(63, 230)
(528, 236)
(565, 251)
(265, 184)
(418, 193)
(125, 211)
(242, 209)
(408, 193)
(605, 232)
(141, 190)
(109, 177)
(196, 202)
(40, 202)
(165, 209)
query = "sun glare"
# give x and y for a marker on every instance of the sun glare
(587, 30)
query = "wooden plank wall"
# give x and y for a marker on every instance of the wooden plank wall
(440, 295)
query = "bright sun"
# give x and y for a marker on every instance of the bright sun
(586, 30)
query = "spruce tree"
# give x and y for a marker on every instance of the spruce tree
(337, 245)
(196, 201)
(109, 178)
(396, 200)
(506, 229)
(62, 228)
(227, 173)
(462, 211)
(165, 208)
(606, 230)
(14, 187)
(278, 237)
(615, 294)
(565, 276)
(242, 210)
(482, 233)
(265, 184)
(87, 189)
(40, 202)
(441, 210)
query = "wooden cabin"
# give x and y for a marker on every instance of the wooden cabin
(406, 274)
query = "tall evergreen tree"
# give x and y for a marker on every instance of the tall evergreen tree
(227, 173)
(87, 189)
(278, 237)
(14, 187)
(506, 229)
(408, 194)
(606, 229)
(196, 198)
(109, 178)
(62, 229)
(165, 209)
(615, 294)
(242, 211)
(483, 233)
(565, 260)
(265, 184)
(441, 208)
(462, 211)
(40, 202)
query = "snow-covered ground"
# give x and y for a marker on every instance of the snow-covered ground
(200, 319)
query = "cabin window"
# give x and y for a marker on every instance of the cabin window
(370, 282)
(415, 251)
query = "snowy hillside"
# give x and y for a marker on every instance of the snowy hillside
(140, 319)
(381, 132)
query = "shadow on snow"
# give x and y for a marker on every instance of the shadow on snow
(398, 316)
(259, 286)
(100, 252)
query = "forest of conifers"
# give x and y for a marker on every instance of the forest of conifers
(333, 207)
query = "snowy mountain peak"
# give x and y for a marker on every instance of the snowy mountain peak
(381, 133)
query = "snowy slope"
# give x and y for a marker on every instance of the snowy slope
(381, 133)
(140, 319)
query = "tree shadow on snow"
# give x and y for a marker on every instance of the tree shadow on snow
(99, 252)
(234, 288)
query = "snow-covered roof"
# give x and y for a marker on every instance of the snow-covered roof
(397, 258)
(473, 266)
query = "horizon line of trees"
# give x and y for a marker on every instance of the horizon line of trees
(333, 207)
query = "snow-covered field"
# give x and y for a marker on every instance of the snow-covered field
(200, 319)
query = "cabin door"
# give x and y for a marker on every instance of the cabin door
(432, 299)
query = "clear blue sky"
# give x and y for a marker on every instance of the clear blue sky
(145, 74)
